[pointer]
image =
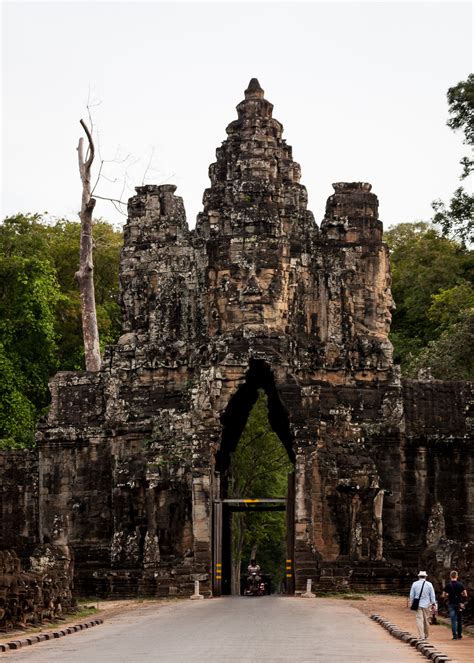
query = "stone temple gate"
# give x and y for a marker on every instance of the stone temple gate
(132, 460)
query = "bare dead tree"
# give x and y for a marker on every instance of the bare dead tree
(85, 273)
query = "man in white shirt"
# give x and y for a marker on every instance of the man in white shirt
(425, 591)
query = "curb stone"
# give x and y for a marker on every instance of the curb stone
(41, 637)
(422, 646)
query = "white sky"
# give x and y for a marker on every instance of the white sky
(359, 87)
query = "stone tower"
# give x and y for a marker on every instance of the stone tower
(133, 460)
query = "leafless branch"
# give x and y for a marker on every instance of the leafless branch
(148, 165)
(98, 177)
(124, 184)
(112, 200)
(124, 160)
(167, 178)
(109, 179)
(89, 161)
(90, 105)
(117, 208)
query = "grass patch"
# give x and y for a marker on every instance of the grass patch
(84, 611)
(345, 596)
(66, 617)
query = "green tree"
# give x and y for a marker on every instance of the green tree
(448, 306)
(451, 356)
(457, 219)
(423, 263)
(58, 243)
(29, 294)
(17, 413)
(432, 284)
(40, 318)
(259, 468)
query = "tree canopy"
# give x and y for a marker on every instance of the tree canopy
(457, 218)
(29, 294)
(433, 289)
(40, 328)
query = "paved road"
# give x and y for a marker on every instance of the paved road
(229, 630)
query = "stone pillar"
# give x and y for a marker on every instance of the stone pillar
(378, 524)
(308, 594)
(202, 514)
(304, 559)
(196, 595)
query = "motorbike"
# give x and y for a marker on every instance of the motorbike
(255, 586)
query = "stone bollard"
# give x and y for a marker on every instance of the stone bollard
(308, 593)
(196, 596)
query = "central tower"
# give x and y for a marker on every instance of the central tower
(255, 224)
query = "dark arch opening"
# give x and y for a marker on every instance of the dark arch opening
(258, 377)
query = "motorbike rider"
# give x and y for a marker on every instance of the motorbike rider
(253, 571)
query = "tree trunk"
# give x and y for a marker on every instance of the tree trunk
(85, 274)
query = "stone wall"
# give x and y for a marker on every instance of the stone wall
(437, 462)
(19, 501)
(43, 591)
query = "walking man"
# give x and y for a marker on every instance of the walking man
(423, 590)
(456, 594)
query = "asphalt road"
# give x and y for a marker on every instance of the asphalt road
(229, 630)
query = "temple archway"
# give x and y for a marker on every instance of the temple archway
(269, 474)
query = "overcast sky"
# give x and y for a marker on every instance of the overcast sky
(359, 87)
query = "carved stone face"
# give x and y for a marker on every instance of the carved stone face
(256, 286)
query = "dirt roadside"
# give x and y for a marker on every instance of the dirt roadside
(395, 609)
(105, 610)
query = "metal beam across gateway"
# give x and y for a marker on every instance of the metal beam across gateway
(256, 504)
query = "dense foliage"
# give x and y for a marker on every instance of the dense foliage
(29, 294)
(259, 468)
(457, 218)
(433, 288)
(40, 319)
